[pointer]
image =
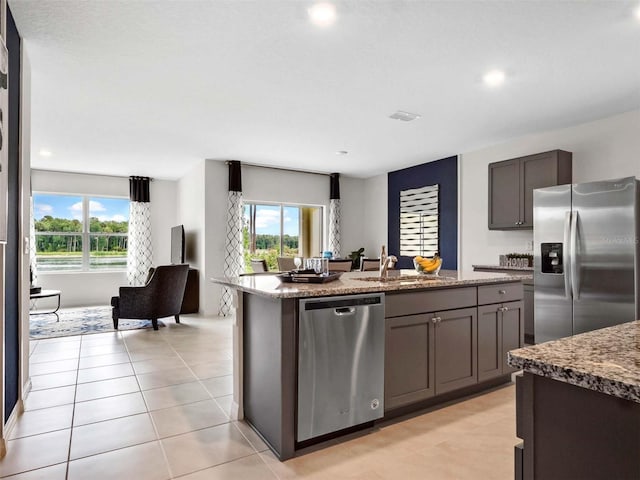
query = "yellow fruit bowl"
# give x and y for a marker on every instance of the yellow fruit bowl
(428, 266)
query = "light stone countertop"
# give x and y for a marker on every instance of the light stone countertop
(504, 267)
(353, 282)
(605, 360)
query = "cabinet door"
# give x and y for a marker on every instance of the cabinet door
(536, 171)
(455, 349)
(512, 330)
(489, 342)
(409, 371)
(504, 194)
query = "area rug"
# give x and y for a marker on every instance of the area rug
(80, 321)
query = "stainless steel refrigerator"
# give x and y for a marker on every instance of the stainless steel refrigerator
(586, 257)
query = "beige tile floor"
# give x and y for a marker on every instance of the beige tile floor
(148, 405)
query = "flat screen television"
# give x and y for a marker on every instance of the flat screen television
(177, 244)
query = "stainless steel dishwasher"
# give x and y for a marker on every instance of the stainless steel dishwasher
(340, 363)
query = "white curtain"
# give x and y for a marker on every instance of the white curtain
(234, 254)
(139, 249)
(334, 227)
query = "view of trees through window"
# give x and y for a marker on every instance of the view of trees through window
(80, 232)
(272, 231)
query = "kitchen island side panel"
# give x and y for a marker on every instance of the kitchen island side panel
(573, 432)
(269, 369)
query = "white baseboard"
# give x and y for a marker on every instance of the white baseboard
(26, 390)
(11, 423)
(236, 413)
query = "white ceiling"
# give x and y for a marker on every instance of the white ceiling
(154, 87)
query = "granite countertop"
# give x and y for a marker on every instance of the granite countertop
(355, 282)
(504, 267)
(605, 360)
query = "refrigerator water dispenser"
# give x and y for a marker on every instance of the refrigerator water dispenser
(551, 256)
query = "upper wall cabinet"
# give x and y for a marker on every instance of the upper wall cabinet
(511, 185)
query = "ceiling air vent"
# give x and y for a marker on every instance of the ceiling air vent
(404, 116)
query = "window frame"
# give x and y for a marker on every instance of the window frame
(85, 234)
(282, 205)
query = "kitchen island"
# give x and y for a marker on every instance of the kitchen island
(578, 406)
(444, 337)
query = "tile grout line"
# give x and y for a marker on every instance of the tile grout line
(130, 362)
(230, 420)
(144, 399)
(217, 465)
(275, 474)
(73, 413)
(190, 403)
(100, 421)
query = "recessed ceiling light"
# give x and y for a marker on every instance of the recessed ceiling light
(322, 14)
(342, 152)
(636, 12)
(45, 153)
(494, 78)
(404, 116)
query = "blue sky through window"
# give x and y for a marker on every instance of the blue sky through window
(109, 208)
(68, 206)
(268, 219)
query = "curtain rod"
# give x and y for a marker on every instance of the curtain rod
(243, 164)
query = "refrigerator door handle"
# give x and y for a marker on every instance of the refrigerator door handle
(566, 267)
(575, 267)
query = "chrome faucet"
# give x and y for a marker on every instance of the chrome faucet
(390, 261)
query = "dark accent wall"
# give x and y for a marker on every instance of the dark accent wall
(443, 172)
(13, 251)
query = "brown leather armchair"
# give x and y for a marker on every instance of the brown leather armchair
(160, 297)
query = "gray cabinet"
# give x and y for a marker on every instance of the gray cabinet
(409, 357)
(489, 342)
(504, 194)
(455, 345)
(511, 185)
(437, 341)
(429, 354)
(500, 329)
(528, 299)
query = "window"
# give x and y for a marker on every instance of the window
(80, 233)
(279, 230)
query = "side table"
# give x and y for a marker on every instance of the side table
(46, 294)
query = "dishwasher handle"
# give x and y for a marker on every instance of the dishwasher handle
(341, 311)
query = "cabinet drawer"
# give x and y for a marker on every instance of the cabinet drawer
(429, 301)
(501, 292)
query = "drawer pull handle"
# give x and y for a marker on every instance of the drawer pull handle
(502, 292)
(434, 320)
